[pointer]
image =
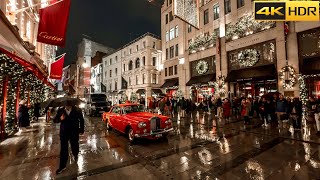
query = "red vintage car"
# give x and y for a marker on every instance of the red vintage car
(132, 120)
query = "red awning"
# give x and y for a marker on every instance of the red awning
(29, 67)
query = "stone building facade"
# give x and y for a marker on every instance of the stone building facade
(238, 55)
(140, 66)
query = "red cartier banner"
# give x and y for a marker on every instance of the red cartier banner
(53, 23)
(56, 69)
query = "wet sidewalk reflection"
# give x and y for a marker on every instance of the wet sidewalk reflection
(201, 147)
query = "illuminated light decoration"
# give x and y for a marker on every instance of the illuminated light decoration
(16, 72)
(202, 67)
(219, 85)
(288, 76)
(255, 166)
(304, 95)
(248, 57)
(187, 10)
(178, 94)
(202, 42)
(246, 26)
(205, 157)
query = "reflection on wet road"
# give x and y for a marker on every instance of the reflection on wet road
(201, 147)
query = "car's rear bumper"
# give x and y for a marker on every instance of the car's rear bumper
(153, 134)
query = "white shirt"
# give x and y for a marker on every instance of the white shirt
(68, 111)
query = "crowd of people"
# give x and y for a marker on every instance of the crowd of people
(275, 111)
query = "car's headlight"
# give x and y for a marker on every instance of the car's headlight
(82, 105)
(169, 121)
(142, 125)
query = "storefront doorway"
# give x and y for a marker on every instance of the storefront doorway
(254, 88)
(313, 86)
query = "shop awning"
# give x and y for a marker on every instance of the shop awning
(254, 73)
(29, 67)
(204, 79)
(120, 92)
(157, 91)
(170, 83)
(311, 66)
(140, 91)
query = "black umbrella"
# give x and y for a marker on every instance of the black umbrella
(58, 102)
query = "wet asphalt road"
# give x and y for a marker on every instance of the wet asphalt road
(201, 147)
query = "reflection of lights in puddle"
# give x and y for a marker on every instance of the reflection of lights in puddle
(205, 156)
(92, 142)
(42, 142)
(224, 146)
(80, 163)
(185, 162)
(313, 163)
(12, 141)
(191, 131)
(254, 166)
(44, 173)
(297, 167)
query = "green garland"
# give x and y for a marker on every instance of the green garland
(220, 87)
(292, 79)
(202, 67)
(248, 57)
(202, 41)
(245, 26)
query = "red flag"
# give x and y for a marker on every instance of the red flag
(53, 23)
(56, 69)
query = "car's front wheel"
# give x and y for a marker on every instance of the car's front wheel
(131, 135)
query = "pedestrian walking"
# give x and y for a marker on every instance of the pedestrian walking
(36, 111)
(219, 108)
(295, 110)
(226, 109)
(245, 110)
(281, 111)
(72, 124)
(23, 115)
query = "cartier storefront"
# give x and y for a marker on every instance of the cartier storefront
(252, 70)
(202, 72)
(309, 59)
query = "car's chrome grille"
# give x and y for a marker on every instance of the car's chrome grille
(155, 123)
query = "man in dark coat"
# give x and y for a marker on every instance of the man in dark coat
(72, 124)
(23, 115)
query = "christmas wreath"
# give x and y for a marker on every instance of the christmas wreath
(248, 57)
(289, 82)
(202, 67)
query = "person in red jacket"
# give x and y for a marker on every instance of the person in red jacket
(226, 109)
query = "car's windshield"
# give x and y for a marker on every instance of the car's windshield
(132, 109)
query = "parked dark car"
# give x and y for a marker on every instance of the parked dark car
(98, 108)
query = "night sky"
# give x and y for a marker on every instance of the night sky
(110, 22)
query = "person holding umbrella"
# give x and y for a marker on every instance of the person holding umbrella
(72, 124)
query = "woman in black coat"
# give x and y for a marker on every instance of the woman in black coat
(295, 111)
(23, 114)
(37, 111)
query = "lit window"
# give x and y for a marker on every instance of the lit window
(216, 11)
(171, 34)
